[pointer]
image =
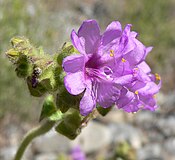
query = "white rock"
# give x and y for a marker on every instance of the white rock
(170, 146)
(166, 125)
(125, 132)
(94, 137)
(8, 153)
(51, 142)
(114, 116)
(150, 152)
(48, 156)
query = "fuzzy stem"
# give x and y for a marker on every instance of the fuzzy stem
(42, 129)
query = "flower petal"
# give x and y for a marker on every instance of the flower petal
(112, 32)
(148, 100)
(78, 42)
(144, 67)
(127, 29)
(77, 153)
(138, 53)
(123, 68)
(115, 25)
(90, 32)
(125, 98)
(149, 89)
(87, 103)
(151, 108)
(108, 52)
(107, 93)
(124, 79)
(126, 42)
(134, 34)
(144, 89)
(74, 83)
(126, 45)
(142, 76)
(74, 63)
(148, 49)
(133, 106)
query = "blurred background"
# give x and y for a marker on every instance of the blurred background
(119, 135)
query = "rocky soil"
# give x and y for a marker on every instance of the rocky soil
(151, 135)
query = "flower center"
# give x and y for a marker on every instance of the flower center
(104, 73)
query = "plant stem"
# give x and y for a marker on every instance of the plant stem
(89, 117)
(42, 129)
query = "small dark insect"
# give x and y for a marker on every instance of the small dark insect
(36, 73)
(34, 81)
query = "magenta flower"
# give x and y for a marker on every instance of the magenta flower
(110, 69)
(77, 154)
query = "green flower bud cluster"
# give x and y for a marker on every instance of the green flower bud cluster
(31, 63)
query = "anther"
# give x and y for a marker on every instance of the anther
(154, 96)
(136, 92)
(123, 60)
(157, 76)
(135, 71)
(112, 53)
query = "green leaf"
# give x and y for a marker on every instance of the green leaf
(47, 79)
(103, 111)
(65, 100)
(17, 42)
(12, 55)
(56, 116)
(70, 125)
(21, 45)
(67, 50)
(41, 50)
(59, 75)
(48, 107)
(23, 67)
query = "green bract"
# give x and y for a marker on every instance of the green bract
(70, 126)
(67, 49)
(64, 100)
(103, 111)
(49, 107)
